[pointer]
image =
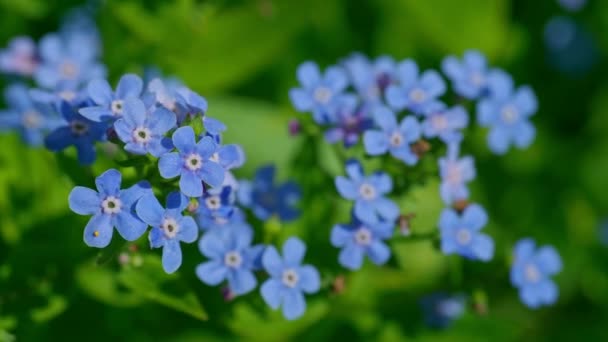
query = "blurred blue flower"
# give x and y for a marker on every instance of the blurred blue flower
(441, 309)
(215, 208)
(371, 78)
(109, 104)
(288, 278)
(19, 57)
(414, 91)
(531, 271)
(445, 123)
(507, 113)
(358, 239)
(572, 5)
(142, 132)
(368, 193)
(460, 234)
(469, 76)
(266, 199)
(455, 173)
(232, 258)
(68, 58)
(319, 92)
(74, 95)
(169, 227)
(77, 131)
(192, 163)
(393, 137)
(111, 207)
(571, 49)
(349, 122)
(30, 118)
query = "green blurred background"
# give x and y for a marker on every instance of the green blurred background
(242, 55)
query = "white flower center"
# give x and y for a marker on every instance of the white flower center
(290, 278)
(454, 174)
(509, 114)
(111, 205)
(32, 119)
(67, 95)
(531, 273)
(439, 122)
(117, 106)
(215, 157)
(477, 79)
(417, 95)
(322, 95)
(233, 259)
(363, 236)
(463, 236)
(396, 139)
(142, 135)
(213, 202)
(79, 127)
(68, 70)
(194, 162)
(367, 191)
(170, 227)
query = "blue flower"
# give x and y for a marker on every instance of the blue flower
(455, 173)
(288, 278)
(142, 132)
(349, 122)
(414, 91)
(368, 193)
(215, 208)
(507, 113)
(109, 104)
(19, 57)
(267, 199)
(319, 93)
(72, 94)
(531, 271)
(469, 76)
(79, 132)
(192, 163)
(232, 258)
(444, 123)
(358, 239)
(371, 78)
(111, 207)
(460, 234)
(165, 92)
(228, 156)
(30, 118)
(392, 137)
(441, 309)
(68, 58)
(169, 227)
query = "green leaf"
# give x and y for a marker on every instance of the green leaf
(101, 283)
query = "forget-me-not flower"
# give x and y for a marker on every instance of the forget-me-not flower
(531, 272)
(444, 123)
(109, 104)
(455, 173)
(111, 207)
(169, 226)
(349, 121)
(19, 57)
(460, 233)
(440, 309)
(215, 208)
(371, 78)
(469, 75)
(289, 279)
(414, 90)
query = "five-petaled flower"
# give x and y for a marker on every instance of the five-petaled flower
(110, 105)
(445, 123)
(455, 173)
(460, 233)
(371, 78)
(414, 91)
(469, 76)
(215, 207)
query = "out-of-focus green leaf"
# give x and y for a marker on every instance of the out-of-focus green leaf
(26, 8)
(101, 283)
(56, 305)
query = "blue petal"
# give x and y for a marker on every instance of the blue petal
(190, 184)
(206, 147)
(301, 100)
(309, 279)
(308, 74)
(405, 154)
(474, 59)
(241, 281)
(129, 226)
(293, 252)
(100, 92)
(483, 247)
(396, 98)
(448, 219)
(499, 140)
(548, 260)
(98, 232)
(433, 83)
(340, 236)
(487, 112)
(475, 217)
(184, 139)
(524, 250)
(526, 101)
(159, 146)
(84, 201)
(382, 182)
(161, 121)
(213, 245)
(135, 112)
(294, 304)
(452, 67)
(170, 165)
(212, 272)
(156, 237)
(213, 126)
(108, 183)
(378, 252)
(96, 114)
(130, 85)
(407, 72)
(387, 209)
(149, 210)
(548, 292)
(410, 128)
(176, 203)
(188, 230)
(500, 84)
(365, 212)
(86, 153)
(524, 135)
(354, 170)
(375, 142)
(346, 188)
(273, 264)
(272, 293)
(213, 174)
(59, 139)
(172, 256)
(529, 296)
(351, 257)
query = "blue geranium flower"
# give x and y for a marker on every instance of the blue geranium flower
(79, 132)
(455, 173)
(111, 207)
(414, 91)
(232, 258)
(142, 132)
(265, 198)
(441, 309)
(109, 104)
(371, 78)
(507, 113)
(531, 273)
(192, 163)
(460, 233)
(319, 93)
(349, 122)
(20, 57)
(169, 227)
(288, 278)
(215, 208)
(358, 239)
(469, 76)
(68, 58)
(32, 119)
(368, 193)
(444, 123)
(392, 137)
